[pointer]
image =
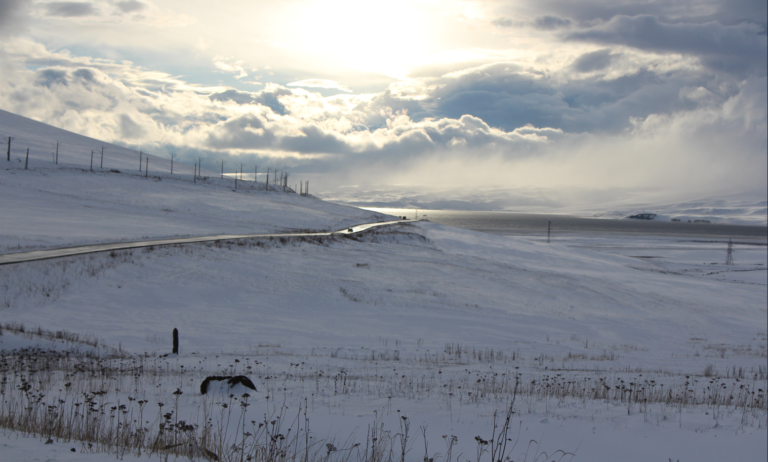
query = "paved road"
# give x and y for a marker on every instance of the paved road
(20, 257)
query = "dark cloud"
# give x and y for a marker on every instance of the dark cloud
(740, 48)
(594, 61)
(239, 97)
(130, 6)
(244, 132)
(9, 6)
(500, 95)
(9, 12)
(551, 22)
(249, 132)
(69, 9)
(85, 74)
(316, 140)
(727, 12)
(50, 77)
(507, 98)
(268, 97)
(545, 22)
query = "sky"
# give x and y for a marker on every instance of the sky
(468, 104)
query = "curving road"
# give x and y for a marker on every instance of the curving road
(20, 257)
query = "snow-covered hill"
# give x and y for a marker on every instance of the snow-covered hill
(67, 203)
(419, 321)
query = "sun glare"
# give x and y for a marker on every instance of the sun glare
(365, 36)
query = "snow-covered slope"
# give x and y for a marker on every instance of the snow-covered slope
(66, 203)
(415, 320)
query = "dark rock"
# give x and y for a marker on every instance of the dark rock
(643, 216)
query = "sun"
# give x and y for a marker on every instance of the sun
(365, 36)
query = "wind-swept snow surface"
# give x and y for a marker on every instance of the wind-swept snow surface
(435, 306)
(628, 348)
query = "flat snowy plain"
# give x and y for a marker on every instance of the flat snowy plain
(630, 348)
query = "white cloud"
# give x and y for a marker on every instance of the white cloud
(320, 83)
(225, 64)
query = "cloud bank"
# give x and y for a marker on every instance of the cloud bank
(637, 96)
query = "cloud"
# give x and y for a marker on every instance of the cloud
(269, 97)
(503, 22)
(508, 96)
(687, 154)
(221, 63)
(129, 129)
(9, 12)
(548, 22)
(131, 6)
(320, 83)
(500, 124)
(50, 77)
(593, 61)
(85, 74)
(739, 48)
(69, 9)
(545, 22)
(590, 12)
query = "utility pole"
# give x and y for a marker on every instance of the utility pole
(101, 165)
(26, 160)
(549, 230)
(172, 156)
(729, 255)
(194, 176)
(256, 175)
(267, 185)
(139, 161)
(146, 167)
(222, 169)
(91, 159)
(9, 148)
(57, 153)
(199, 165)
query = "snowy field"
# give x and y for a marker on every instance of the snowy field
(406, 340)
